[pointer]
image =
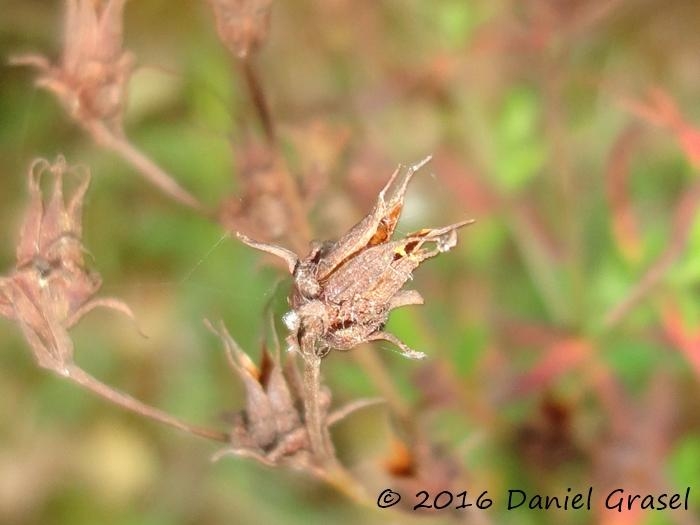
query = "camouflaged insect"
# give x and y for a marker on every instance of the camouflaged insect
(343, 291)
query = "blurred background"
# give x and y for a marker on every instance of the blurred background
(563, 331)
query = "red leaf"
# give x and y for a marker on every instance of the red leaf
(686, 339)
(661, 110)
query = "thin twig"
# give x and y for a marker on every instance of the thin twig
(682, 223)
(257, 95)
(145, 166)
(94, 385)
(625, 224)
(344, 411)
(538, 256)
(375, 369)
(339, 478)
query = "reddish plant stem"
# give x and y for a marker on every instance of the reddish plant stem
(145, 166)
(257, 95)
(625, 224)
(686, 212)
(78, 376)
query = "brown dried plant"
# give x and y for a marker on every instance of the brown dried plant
(93, 73)
(343, 291)
(660, 109)
(271, 427)
(91, 83)
(243, 25)
(260, 210)
(51, 289)
(269, 205)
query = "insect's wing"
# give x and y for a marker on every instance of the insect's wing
(378, 273)
(376, 228)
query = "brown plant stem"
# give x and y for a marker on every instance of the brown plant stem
(318, 435)
(257, 95)
(344, 411)
(300, 237)
(300, 230)
(78, 376)
(145, 166)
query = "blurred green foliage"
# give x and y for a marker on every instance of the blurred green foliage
(522, 104)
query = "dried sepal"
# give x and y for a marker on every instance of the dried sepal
(388, 266)
(6, 309)
(91, 78)
(271, 428)
(377, 227)
(344, 291)
(53, 225)
(48, 339)
(242, 25)
(271, 424)
(288, 256)
(51, 288)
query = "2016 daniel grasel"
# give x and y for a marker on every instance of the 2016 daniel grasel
(618, 499)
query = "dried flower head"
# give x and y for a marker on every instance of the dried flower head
(242, 25)
(51, 288)
(344, 290)
(260, 210)
(91, 79)
(271, 428)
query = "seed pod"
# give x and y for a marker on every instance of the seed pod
(51, 288)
